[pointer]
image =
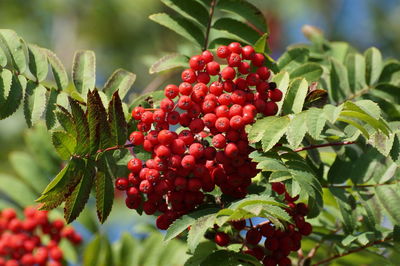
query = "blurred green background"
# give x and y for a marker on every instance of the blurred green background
(121, 35)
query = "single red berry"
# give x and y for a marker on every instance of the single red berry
(236, 122)
(221, 239)
(165, 137)
(121, 183)
(203, 77)
(253, 236)
(271, 108)
(272, 244)
(222, 124)
(263, 73)
(137, 112)
(137, 138)
(235, 47)
(248, 52)
(207, 56)
(244, 68)
(194, 184)
(228, 73)
(234, 60)
(134, 165)
(146, 187)
(167, 105)
(278, 187)
(267, 230)
(197, 62)
(188, 161)
(275, 95)
(219, 141)
(213, 68)
(306, 229)
(223, 51)
(173, 118)
(188, 75)
(258, 60)
(133, 192)
(197, 125)
(239, 225)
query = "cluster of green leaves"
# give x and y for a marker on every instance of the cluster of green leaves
(85, 121)
(209, 23)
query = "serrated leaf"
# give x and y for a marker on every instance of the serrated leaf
(5, 85)
(38, 64)
(116, 119)
(295, 96)
(237, 30)
(246, 10)
(355, 64)
(14, 98)
(181, 26)
(13, 45)
(59, 72)
(62, 185)
(332, 112)
(339, 83)
(120, 80)
(34, 102)
(84, 71)
(52, 99)
(190, 9)
(297, 129)
(374, 64)
(168, 62)
(315, 122)
(104, 195)
(389, 199)
(198, 230)
(66, 121)
(381, 142)
(82, 128)
(282, 83)
(261, 46)
(181, 224)
(309, 71)
(75, 202)
(99, 129)
(292, 58)
(64, 143)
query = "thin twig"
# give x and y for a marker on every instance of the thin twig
(352, 251)
(212, 7)
(118, 147)
(362, 185)
(325, 145)
(355, 95)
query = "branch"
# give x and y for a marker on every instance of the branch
(212, 7)
(355, 95)
(362, 185)
(352, 251)
(325, 145)
(118, 147)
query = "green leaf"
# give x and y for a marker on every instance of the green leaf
(37, 62)
(315, 122)
(52, 99)
(98, 252)
(389, 199)
(339, 83)
(66, 121)
(5, 85)
(297, 129)
(390, 68)
(84, 71)
(34, 102)
(99, 129)
(82, 128)
(64, 143)
(374, 64)
(246, 10)
(104, 195)
(229, 258)
(190, 9)
(13, 45)
(16, 190)
(181, 26)
(295, 96)
(168, 62)
(346, 209)
(62, 185)
(181, 224)
(293, 58)
(237, 30)
(355, 64)
(31, 173)
(309, 71)
(198, 230)
(59, 72)
(120, 80)
(3, 58)
(76, 201)
(261, 46)
(116, 119)
(13, 101)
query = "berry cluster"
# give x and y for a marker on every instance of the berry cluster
(34, 240)
(278, 244)
(212, 107)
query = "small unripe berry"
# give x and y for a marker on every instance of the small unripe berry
(221, 239)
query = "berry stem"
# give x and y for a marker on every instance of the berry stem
(118, 147)
(212, 7)
(311, 147)
(352, 251)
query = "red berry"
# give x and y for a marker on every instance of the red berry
(244, 68)
(221, 239)
(271, 108)
(197, 62)
(134, 165)
(223, 51)
(213, 68)
(228, 73)
(121, 183)
(207, 56)
(253, 236)
(263, 73)
(167, 105)
(234, 60)
(203, 77)
(137, 138)
(219, 141)
(235, 47)
(146, 187)
(248, 52)
(197, 125)
(188, 161)
(188, 75)
(239, 225)
(222, 124)
(278, 187)
(275, 95)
